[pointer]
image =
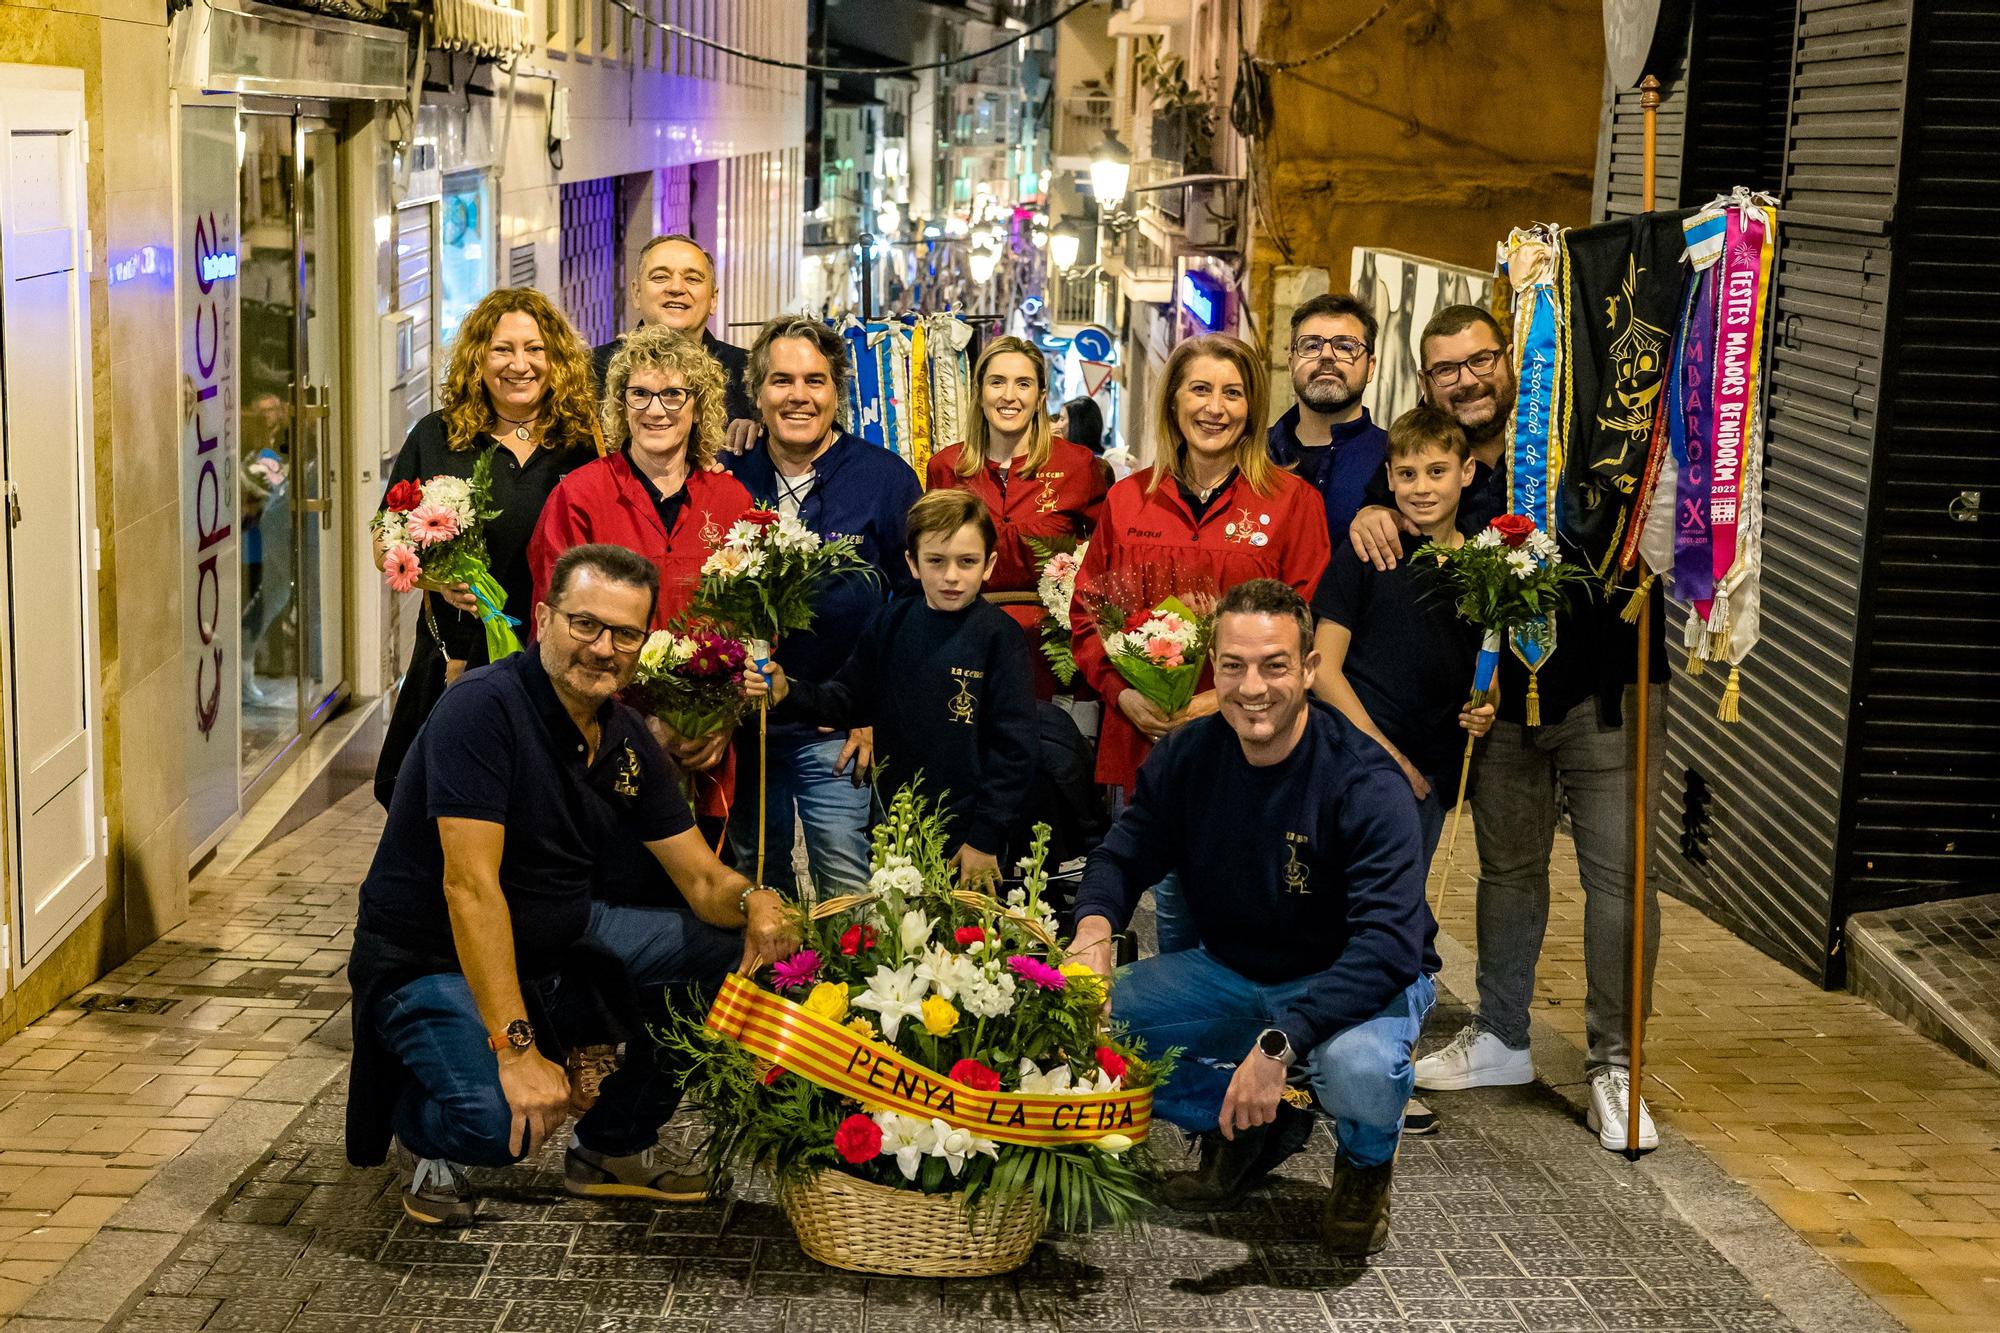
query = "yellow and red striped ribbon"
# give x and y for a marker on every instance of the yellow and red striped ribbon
(881, 1078)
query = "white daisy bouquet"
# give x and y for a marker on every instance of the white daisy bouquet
(764, 576)
(434, 531)
(932, 1039)
(1056, 587)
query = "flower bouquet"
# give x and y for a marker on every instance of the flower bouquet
(1155, 624)
(435, 530)
(926, 1078)
(691, 679)
(1056, 587)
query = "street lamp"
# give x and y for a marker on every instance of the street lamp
(1110, 171)
(981, 262)
(1038, 232)
(889, 220)
(1064, 243)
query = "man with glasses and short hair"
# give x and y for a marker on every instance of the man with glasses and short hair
(674, 287)
(1327, 436)
(479, 938)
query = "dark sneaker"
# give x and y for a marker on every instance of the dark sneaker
(1357, 1212)
(1231, 1167)
(639, 1175)
(1419, 1119)
(439, 1194)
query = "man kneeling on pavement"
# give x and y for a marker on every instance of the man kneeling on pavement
(1297, 843)
(480, 941)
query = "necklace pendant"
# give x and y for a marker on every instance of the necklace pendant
(520, 432)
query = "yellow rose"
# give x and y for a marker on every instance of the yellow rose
(939, 1017)
(1089, 987)
(828, 1000)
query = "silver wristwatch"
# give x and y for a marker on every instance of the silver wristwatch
(1273, 1044)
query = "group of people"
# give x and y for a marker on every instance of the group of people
(538, 840)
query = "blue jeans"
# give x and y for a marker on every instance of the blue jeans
(1362, 1075)
(833, 809)
(1173, 925)
(452, 1106)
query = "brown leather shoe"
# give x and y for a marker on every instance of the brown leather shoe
(1356, 1221)
(639, 1175)
(1230, 1168)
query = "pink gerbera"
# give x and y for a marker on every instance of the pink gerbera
(1037, 972)
(430, 523)
(797, 972)
(402, 568)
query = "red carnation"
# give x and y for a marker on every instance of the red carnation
(968, 936)
(856, 938)
(762, 518)
(1513, 528)
(858, 1139)
(974, 1075)
(772, 1075)
(1111, 1062)
(403, 497)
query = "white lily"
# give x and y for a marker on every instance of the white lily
(915, 932)
(894, 994)
(955, 1145)
(907, 1139)
(950, 974)
(1056, 1081)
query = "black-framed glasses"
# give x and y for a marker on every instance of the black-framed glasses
(673, 399)
(1310, 347)
(588, 629)
(1445, 373)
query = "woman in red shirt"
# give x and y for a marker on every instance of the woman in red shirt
(654, 492)
(1213, 504)
(1035, 484)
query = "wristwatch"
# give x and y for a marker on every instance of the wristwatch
(1274, 1044)
(516, 1036)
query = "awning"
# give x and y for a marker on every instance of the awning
(244, 47)
(483, 27)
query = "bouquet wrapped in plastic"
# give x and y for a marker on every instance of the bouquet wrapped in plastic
(692, 679)
(1155, 624)
(434, 530)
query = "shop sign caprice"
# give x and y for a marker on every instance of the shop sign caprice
(214, 420)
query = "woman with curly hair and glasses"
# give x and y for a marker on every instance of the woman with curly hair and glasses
(517, 390)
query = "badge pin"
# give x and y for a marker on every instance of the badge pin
(1261, 539)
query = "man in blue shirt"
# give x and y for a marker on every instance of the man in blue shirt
(1327, 436)
(1296, 840)
(478, 920)
(837, 485)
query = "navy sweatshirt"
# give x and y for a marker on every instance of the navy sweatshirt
(1340, 471)
(951, 695)
(1311, 867)
(859, 490)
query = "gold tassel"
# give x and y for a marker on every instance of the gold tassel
(1534, 701)
(1637, 603)
(1695, 663)
(1730, 694)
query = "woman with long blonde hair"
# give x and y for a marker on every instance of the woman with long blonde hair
(517, 391)
(1038, 486)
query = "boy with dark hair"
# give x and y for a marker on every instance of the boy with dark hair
(945, 681)
(1395, 658)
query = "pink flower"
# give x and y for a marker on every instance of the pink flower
(430, 523)
(1036, 972)
(797, 972)
(401, 567)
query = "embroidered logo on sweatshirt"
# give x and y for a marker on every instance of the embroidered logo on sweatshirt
(1045, 503)
(962, 704)
(1298, 875)
(627, 781)
(1247, 531)
(710, 534)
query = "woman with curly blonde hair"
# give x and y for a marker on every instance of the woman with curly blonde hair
(517, 391)
(654, 492)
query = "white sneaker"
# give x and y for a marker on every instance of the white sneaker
(1475, 1058)
(1610, 1091)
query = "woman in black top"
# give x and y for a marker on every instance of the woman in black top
(518, 387)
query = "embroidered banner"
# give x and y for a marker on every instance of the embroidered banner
(1533, 259)
(881, 1078)
(1690, 434)
(1740, 303)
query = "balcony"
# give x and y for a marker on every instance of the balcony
(1082, 121)
(1075, 299)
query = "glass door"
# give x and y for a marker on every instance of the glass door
(320, 513)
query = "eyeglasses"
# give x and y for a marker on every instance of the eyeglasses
(588, 629)
(672, 399)
(1445, 373)
(1310, 347)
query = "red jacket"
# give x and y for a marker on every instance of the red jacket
(606, 501)
(1062, 499)
(1160, 529)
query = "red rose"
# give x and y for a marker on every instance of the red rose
(975, 1075)
(856, 938)
(968, 935)
(403, 497)
(1111, 1062)
(762, 518)
(1513, 528)
(858, 1139)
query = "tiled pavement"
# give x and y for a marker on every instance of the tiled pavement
(1512, 1203)
(1936, 966)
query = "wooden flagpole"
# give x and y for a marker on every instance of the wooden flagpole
(1649, 108)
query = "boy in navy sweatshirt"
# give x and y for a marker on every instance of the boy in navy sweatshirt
(1295, 837)
(945, 681)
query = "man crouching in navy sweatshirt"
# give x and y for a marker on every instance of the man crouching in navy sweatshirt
(944, 679)
(1296, 840)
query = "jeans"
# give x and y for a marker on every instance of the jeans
(1173, 924)
(452, 1106)
(1362, 1075)
(832, 808)
(1519, 773)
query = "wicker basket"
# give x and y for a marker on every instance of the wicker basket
(869, 1228)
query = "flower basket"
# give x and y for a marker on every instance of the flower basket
(863, 1227)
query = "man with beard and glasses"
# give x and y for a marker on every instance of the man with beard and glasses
(1327, 437)
(1523, 778)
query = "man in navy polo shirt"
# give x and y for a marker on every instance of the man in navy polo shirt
(1327, 436)
(477, 916)
(839, 486)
